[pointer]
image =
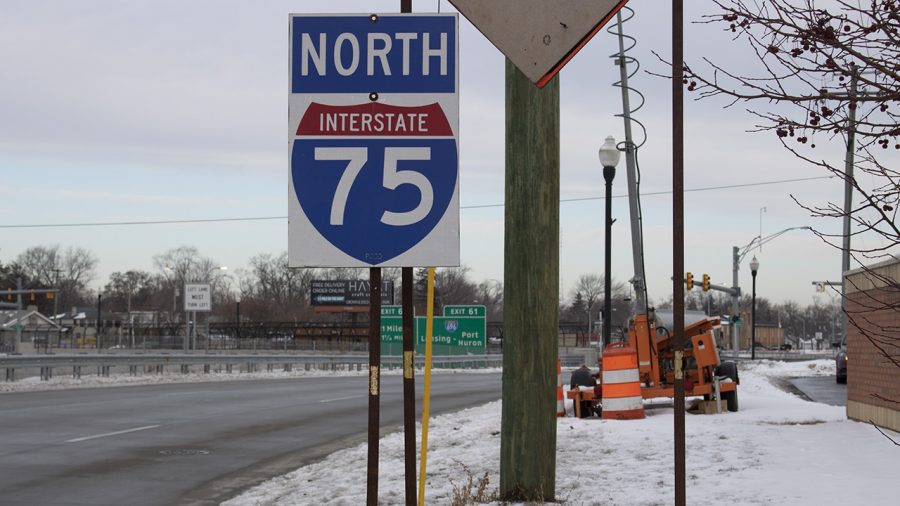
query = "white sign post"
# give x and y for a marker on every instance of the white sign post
(197, 297)
(373, 121)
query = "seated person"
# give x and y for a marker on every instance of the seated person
(582, 377)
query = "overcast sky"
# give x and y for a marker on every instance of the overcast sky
(116, 111)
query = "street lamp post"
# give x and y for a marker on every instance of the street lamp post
(737, 256)
(609, 158)
(175, 292)
(754, 266)
(209, 280)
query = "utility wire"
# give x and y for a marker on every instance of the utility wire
(666, 192)
(482, 206)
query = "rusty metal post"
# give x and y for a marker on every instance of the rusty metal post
(374, 383)
(678, 239)
(409, 387)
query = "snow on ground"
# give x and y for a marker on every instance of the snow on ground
(779, 369)
(63, 382)
(778, 449)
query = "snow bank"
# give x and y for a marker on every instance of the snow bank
(779, 449)
(775, 368)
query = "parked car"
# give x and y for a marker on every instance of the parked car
(840, 367)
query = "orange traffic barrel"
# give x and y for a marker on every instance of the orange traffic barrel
(621, 385)
(560, 402)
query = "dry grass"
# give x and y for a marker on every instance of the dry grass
(474, 490)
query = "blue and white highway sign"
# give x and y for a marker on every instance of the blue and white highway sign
(373, 128)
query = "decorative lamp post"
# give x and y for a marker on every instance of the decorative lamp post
(210, 281)
(609, 158)
(754, 266)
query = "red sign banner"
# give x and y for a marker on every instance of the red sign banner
(374, 119)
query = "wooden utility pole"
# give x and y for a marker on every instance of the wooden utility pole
(531, 290)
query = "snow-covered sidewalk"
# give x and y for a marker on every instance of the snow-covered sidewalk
(778, 449)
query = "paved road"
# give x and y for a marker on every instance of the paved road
(192, 444)
(821, 389)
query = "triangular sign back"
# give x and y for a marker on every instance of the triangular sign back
(539, 36)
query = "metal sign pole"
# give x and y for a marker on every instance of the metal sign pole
(409, 388)
(19, 312)
(187, 322)
(374, 380)
(409, 381)
(678, 239)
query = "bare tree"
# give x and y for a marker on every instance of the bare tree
(590, 286)
(490, 294)
(827, 71)
(273, 290)
(129, 290)
(70, 271)
(185, 264)
(453, 286)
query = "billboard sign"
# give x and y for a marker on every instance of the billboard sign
(344, 292)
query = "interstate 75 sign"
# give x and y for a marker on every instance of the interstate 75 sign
(373, 127)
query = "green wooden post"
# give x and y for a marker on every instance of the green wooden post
(531, 288)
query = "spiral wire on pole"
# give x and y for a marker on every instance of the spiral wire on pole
(631, 66)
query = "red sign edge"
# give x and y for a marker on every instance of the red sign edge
(559, 65)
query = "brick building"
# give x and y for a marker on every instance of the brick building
(873, 311)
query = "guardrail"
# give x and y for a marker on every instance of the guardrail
(157, 363)
(787, 356)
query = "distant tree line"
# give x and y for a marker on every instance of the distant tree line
(268, 290)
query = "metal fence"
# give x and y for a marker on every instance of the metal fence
(336, 337)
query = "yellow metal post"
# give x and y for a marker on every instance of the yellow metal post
(426, 395)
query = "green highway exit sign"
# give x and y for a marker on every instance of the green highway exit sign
(391, 324)
(389, 311)
(462, 328)
(466, 333)
(465, 311)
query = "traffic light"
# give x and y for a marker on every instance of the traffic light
(690, 281)
(706, 282)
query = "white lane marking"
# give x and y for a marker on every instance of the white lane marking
(126, 431)
(342, 398)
